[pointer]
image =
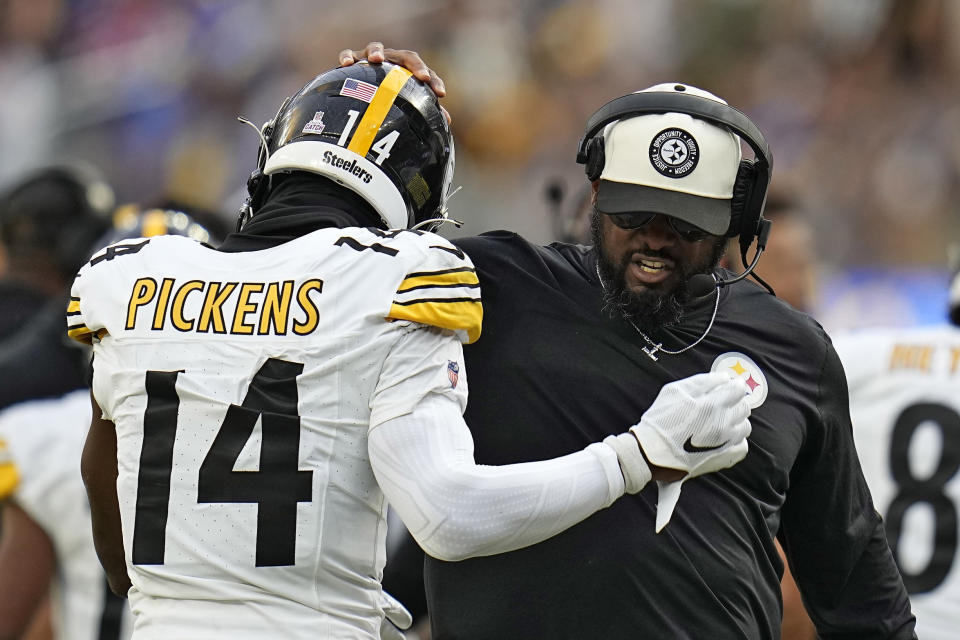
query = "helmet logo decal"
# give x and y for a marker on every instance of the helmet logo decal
(315, 126)
(349, 166)
(358, 89)
(674, 153)
(743, 367)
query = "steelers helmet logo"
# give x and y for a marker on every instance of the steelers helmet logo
(743, 367)
(674, 153)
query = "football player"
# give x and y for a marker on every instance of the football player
(247, 400)
(905, 406)
(50, 221)
(45, 542)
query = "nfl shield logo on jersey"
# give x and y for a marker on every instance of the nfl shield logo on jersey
(453, 373)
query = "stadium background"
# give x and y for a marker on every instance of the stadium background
(858, 98)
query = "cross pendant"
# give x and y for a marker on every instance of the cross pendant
(652, 351)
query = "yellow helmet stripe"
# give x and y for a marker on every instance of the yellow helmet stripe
(373, 117)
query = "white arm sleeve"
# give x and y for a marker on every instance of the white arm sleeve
(456, 509)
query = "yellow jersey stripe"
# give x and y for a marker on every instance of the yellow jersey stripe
(83, 334)
(462, 314)
(449, 279)
(9, 479)
(73, 307)
(377, 111)
(9, 474)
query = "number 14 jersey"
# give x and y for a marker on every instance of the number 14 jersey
(242, 387)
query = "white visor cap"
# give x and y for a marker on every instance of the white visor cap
(672, 164)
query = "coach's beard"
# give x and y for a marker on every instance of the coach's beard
(648, 310)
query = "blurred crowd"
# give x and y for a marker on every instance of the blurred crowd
(859, 99)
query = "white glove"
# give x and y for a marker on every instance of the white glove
(698, 425)
(396, 618)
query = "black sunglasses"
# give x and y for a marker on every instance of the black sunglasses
(637, 219)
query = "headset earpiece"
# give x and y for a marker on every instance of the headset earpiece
(742, 188)
(595, 158)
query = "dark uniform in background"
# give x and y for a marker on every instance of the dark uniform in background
(714, 571)
(49, 221)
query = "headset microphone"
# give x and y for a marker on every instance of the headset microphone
(703, 284)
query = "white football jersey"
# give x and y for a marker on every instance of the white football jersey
(905, 405)
(40, 445)
(242, 387)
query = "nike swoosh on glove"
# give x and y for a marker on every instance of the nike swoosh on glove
(699, 425)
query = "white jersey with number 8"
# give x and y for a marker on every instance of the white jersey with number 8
(905, 405)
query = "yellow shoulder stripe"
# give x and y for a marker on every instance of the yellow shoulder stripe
(9, 474)
(81, 333)
(460, 314)
(452, 278)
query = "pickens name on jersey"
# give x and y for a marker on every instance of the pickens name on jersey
(175, 285)
(253, 308)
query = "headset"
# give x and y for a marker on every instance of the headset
(753, 176)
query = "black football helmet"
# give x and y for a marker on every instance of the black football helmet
(372, 128)
(56, 210)
(131, 221)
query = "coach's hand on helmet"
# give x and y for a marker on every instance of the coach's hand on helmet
(410, 60)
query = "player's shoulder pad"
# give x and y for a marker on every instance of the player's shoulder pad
(440, 288)
(96, 273)
(100, 274)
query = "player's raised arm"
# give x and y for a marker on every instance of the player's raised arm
(456, 509)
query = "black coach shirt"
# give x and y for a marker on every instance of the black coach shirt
(551, 373)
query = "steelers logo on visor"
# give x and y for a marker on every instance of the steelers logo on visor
(674, 153)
